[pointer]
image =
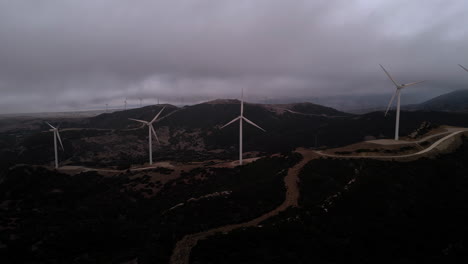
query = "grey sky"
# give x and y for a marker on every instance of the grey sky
(63, 54)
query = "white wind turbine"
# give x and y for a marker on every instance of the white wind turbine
(240, 118)
(150, 130)
(463, 67)
(56, 136)
(397, 94)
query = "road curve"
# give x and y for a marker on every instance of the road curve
(434, 145)
(181, 253)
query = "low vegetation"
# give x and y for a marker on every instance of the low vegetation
(46, 216)
(361, 211)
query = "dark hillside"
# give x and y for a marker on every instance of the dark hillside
(193, 132)
(456, 101)
(119, 119)
(49, 217)
(314, 109)
(362, 211)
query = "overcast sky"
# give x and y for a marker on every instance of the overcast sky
(80, 54)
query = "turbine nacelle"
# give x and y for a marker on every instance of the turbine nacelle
(56, 133)
(398, 88)
(241, 118)
(397, 95)
(151, 131)
(56, 136)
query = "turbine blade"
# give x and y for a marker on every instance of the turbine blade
(60, 140)
(242, 107)
(141, 121)
(154, 133)
(413, 83)
(50, 125)
(463, 67)
(253, 124)
(156, 117)
(232, 121)
(391, 101)
(389, 76)
(242, 102)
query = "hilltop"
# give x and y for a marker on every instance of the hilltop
(193, 133)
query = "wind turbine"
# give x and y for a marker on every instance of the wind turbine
(463, 67)
(56, 135)
(241, 118)
(397, 94)
(125, 102)
(150, 130)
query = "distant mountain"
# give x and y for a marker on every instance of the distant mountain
(120, 119)
(456, 101)
(308, 108)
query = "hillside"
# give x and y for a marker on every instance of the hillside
(50, 217)
(193, 133)
(361, 211)
(306, 108)
(456, 101)
(346, 206)
(120, 119)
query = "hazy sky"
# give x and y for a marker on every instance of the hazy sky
(63, 54)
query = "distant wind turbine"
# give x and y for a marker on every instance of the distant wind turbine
(125, 102)
(397, 94)
(56, 136)
(241, 118)
(150, 130)
(463, 67)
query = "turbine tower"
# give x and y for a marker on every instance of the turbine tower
(125, 102)
(242, 118)
(150, 130)
(397, 94)
(463, 67)
(56, 135)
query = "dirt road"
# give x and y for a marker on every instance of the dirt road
(426, 150)
(181, 253)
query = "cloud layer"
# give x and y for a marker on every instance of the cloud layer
(59, 54)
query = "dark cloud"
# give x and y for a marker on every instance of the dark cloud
(57, 54)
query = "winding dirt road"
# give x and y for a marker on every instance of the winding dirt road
(426, 150)
(181, 253)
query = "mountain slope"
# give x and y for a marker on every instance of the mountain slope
(306, 108)
(456, 101)
(120, 119)
(193, 133)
